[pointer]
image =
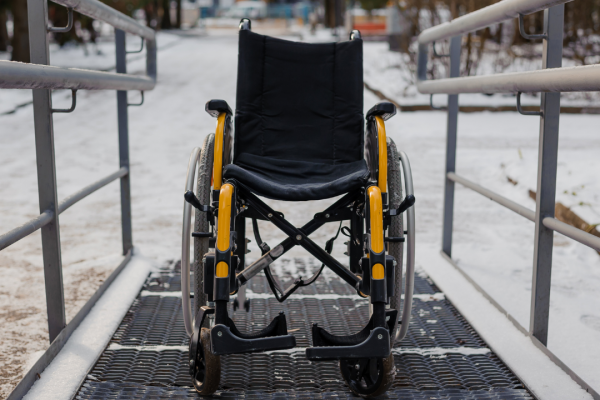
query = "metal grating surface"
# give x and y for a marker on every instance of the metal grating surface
(431, 362)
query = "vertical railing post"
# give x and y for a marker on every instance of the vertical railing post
(123, 122)
(46, 170)
(448, 218)
(546, 181)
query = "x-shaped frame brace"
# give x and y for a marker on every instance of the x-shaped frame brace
(296, 236)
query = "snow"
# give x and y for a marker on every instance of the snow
(544, 378)
(492, 244)
(61, 379)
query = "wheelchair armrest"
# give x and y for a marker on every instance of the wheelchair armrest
(384, 109)
(216, 107)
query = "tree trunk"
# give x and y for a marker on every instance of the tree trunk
(3, 31)
(20, 41)
(179, 16)
(165, 22)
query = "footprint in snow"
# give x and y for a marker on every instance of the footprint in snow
(591, 321)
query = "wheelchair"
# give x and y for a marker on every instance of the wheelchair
(299, 135)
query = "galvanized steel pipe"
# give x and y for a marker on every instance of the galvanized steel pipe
(576, 234)
(15, 75)
(100, 11)
(490, 15)
(570, 79)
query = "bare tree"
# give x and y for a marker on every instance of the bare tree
(20, 40)
(4, 39)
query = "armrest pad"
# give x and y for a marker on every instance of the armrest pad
(384, 109)
(216, 107)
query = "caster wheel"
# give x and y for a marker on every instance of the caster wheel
(207, 374)
(368, 377)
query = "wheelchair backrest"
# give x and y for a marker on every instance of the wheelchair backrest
(299, 101)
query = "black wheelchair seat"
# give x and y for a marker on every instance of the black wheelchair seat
(296, 180)
(299, 123)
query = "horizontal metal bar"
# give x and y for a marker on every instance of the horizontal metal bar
(26, 229)
(576, 234)
(33, 225)
(100, 11)
(524, 331)
(511, 205)
(15, 75)
(570, 79)
(490, 15)
(29, 379)
(75, 197)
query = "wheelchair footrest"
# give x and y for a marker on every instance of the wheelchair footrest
(227, 339)
(368, 343)
(376, 345)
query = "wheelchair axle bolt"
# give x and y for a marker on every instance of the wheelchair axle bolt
(380, 336)
(221, 334)
(298, 237)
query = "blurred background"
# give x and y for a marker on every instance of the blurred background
(397, 22)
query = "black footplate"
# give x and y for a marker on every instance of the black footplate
(229, 340)
(368, 343)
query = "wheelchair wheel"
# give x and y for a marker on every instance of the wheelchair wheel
(208, 367)
(396, 228)
(203, 193)
(368, 377)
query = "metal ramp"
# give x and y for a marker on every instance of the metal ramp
(441, 358)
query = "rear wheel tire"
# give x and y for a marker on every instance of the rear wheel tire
(203, 192)
(396, 228)
(207, 374)
(368, 377)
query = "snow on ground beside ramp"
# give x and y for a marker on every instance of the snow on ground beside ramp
(540, 374)
(61, 379)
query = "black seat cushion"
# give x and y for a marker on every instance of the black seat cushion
(293, 180)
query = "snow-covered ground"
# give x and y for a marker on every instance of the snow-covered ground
(491, 243)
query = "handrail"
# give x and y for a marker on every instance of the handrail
(576, 234)
(14, 75)
(559, 80)
(568, 79)
(503, 201)
(41, 78)
(44, 218)
(551, 80)
(490, 15)
(102, 12)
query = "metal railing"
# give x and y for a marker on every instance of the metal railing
(551, 80)
(42, 79)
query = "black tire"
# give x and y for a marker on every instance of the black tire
(376, 378)
(207, 374)
(396, 228)
(203, 192)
